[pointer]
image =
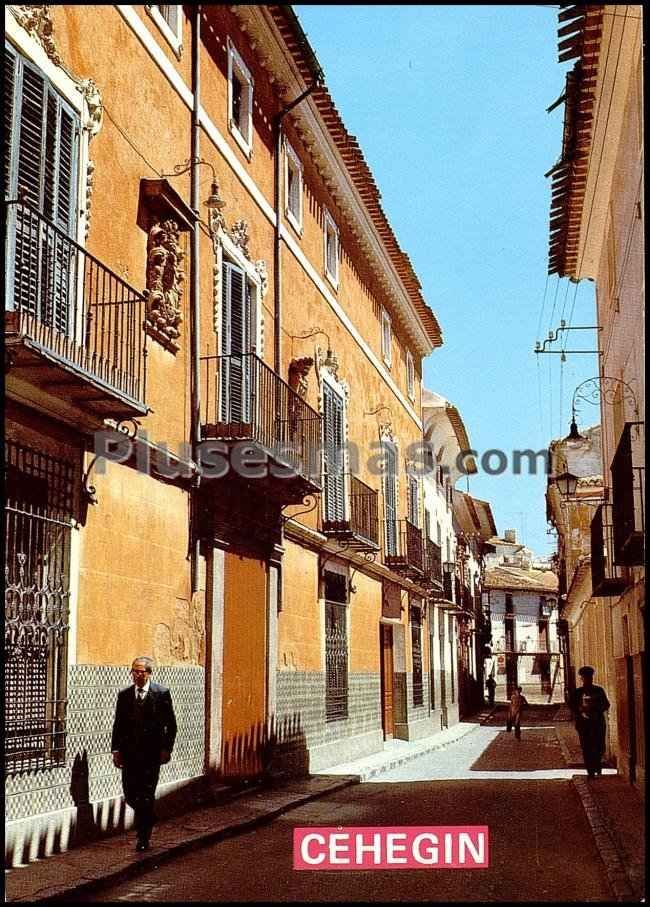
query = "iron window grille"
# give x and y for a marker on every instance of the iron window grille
(336, 647)
(416, 648)
(38, 522)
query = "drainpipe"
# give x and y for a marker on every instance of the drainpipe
(277, 276)
(195, 298)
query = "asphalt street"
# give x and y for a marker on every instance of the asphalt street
(541, 847)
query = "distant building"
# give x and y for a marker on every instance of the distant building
(522, 603)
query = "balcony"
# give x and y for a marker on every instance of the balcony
(74, 330)
(404, 548)
(628, 493)
(360, 530)
(448, 587)
(433, 564)
(606, 577)
(244, 400)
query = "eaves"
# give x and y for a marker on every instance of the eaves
(258, 22)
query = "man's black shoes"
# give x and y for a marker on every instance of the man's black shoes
(142, 844)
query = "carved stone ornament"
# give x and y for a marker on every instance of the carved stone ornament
(35, 19)
(298, 371)
(93, 97)
(165, 278)
(260, 267)
(240, 237)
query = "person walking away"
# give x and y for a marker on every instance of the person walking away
(589, 704)
(491, 685)
(144, 731)
(517, 703)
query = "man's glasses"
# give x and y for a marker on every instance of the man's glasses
(134, 671)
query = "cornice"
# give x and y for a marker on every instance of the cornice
(256, 21)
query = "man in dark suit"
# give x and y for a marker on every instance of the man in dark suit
(143, 738)
(589, 704)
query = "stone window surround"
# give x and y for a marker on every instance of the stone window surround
(292, 162)
(173, 38)
(330, 229)
(386, 337)
(236, 66)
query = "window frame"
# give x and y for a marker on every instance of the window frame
(236, 66)
(173, 38)
(329, 227)
(293, 162)
(386, 338)
(410, 376)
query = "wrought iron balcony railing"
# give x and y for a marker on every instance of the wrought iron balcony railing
(358, 524)
(448, 586)
(404, 547)
(66, 308)
(432, 563)
(606, 577)
(628, 496)
(243, 399)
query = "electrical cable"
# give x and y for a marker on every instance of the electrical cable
(541, 313)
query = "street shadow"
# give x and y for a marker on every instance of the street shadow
(84, 827)
(266, 751)
(535, 750)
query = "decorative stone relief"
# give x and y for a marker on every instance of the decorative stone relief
(91, 93)
(240, 237)
(90, 178)
(298, 371)
(165, 278)
(35, 19)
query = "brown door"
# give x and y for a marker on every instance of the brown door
(387, 721)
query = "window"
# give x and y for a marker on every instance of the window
(38, 524)
(336, 646)
(41, 154)
(331, 239)
(509, 604)
(240, 101)
(236, 344)
(413, 501)
(169, 21)
(416, 651)
(390, 496)
(293, 188)
(451, 658)
(410, 375)
(386, 337)
(333, 440)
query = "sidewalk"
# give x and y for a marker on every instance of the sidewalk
(113, 858)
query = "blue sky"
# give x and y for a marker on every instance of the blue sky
(449, 106)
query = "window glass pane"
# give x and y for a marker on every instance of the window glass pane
(237, 105)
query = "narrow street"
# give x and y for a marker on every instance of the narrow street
(521, 789)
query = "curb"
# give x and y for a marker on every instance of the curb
(607, 848)
(155, 858)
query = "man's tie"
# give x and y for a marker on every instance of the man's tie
(140, 695)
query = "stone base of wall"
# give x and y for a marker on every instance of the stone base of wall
(416, 729)
(345, 750)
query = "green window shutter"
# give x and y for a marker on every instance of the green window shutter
(31, 140)
(10, 76)
(235, 344)
(413, 501)
(333, 431)
(390, 497)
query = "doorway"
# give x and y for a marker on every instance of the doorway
(387, 684)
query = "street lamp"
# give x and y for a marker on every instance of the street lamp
(448, 567)
(567, 484)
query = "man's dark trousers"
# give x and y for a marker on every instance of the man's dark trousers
(140, 732)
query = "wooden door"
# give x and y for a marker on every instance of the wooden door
(387, 720)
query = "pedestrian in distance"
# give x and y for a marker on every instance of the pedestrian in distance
(144, 731)
(491, 685)
(589, 704)
(517, 703)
